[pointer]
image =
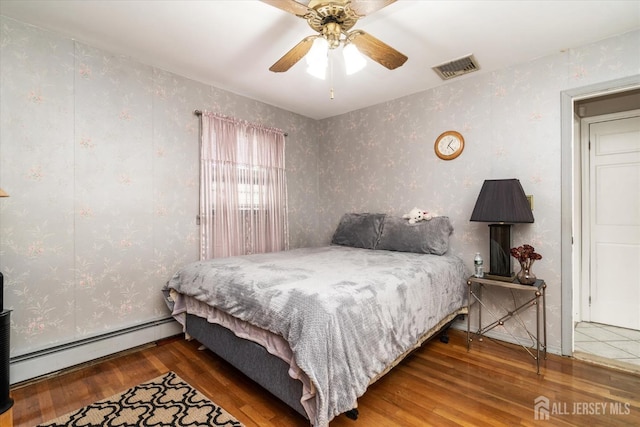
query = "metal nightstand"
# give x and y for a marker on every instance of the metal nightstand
(538, 290)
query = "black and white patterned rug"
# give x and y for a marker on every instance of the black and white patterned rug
(165, 401)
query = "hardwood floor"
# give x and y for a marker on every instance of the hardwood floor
(440, 385)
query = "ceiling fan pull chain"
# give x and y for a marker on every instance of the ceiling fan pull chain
(331, 73)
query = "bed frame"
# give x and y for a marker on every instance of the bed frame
(250, 358)
(270, 371)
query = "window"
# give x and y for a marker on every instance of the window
(243, 198)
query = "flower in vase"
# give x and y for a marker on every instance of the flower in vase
(526, 255)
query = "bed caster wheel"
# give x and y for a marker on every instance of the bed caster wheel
(352, 414)
(444, 339)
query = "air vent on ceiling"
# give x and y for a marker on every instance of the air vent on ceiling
(457, 67)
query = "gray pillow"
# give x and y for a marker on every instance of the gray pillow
(425, 237)
(358, 230)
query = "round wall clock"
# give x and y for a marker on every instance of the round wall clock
(449, 145)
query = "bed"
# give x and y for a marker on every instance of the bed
(317, 326)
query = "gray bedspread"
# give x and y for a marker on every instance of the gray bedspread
(346, 313)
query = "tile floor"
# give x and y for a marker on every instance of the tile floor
(619, 345)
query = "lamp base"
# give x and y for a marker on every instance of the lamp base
(501, 278)
(500, 251)
(6, 405)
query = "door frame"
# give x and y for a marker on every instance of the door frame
(570, 194)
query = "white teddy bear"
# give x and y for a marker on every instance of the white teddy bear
(417, 215)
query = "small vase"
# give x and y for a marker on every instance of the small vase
(526, 276)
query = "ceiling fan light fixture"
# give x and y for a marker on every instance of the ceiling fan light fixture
(333, 21)
(318, 71)
(318, 59)
(353, 59)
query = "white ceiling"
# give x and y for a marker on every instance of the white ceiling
(232, 44)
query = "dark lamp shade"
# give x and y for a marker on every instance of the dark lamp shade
(502, 201)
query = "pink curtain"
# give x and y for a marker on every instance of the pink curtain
(243, 189)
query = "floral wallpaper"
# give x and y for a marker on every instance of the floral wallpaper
(99, 154)
(381, 158)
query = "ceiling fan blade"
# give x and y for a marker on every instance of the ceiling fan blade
(294, 55)
(380, 52)
(290, 6)
(367, 7)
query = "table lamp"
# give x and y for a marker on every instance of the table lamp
(501, 202)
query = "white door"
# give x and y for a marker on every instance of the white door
(614, 218)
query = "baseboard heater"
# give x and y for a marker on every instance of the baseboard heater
(53, 359)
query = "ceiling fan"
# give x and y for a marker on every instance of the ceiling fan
(333, 19)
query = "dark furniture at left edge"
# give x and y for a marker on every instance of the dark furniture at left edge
(5, 325)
